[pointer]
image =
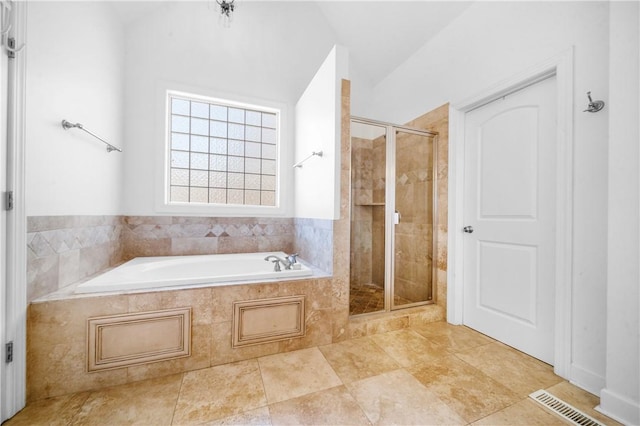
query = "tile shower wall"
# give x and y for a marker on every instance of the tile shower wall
(414, 200)
(437, 120)
(362, 213)
(415, 230)
(368, 191)
(414, 192)
(65, 249)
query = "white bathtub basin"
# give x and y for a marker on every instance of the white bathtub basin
(170, 271)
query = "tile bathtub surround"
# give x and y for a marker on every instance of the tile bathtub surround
(180, 235)
(57, 346)
(356, 382)
(64, 249)
(314, 242)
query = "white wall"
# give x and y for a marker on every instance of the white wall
(181, 44)
(74, 72)
(490, 42)
(621, 397)
(317, 182)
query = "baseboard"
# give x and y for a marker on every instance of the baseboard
(619, 408)
(587, 380)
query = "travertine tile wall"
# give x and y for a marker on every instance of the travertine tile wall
(437, 120)
(314, 242)
(184, 235)
(413, 234)
(57, 345)
(414, 201)
(379, 197)
(362, 166)
(341, 228)
(64, 249)
(343, 326)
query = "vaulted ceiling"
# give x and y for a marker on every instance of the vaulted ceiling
(380, 35)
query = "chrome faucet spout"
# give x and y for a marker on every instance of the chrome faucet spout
(277, 261)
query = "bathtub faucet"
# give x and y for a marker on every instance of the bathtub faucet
(277, 262)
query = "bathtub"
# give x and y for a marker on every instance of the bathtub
(171, 271)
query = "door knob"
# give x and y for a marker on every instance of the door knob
(468, 229)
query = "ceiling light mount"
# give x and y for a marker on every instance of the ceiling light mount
(226, 8)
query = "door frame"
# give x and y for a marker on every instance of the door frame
(14, 320)
(562, 67)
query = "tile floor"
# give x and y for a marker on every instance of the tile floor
(365, 299)
(435, 374)
(369, 298)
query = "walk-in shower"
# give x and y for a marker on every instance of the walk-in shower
(393, 215)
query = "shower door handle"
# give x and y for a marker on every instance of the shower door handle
(468, 229)
(396, 217)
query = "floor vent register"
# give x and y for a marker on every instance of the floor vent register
(562, 409)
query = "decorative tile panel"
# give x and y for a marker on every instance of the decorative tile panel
(268, 320)
(115, 341)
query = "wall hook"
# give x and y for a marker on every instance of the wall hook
(594, 106)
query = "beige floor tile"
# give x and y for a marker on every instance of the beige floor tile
(517, 371)
(525, 412)
(471, 393)
(258, 417)
(293, 374)
(333, 406)
(452, 375)
(358, 359)
(455, 338)
(396, 397)
(52, 411)
(580, 399)
(143, 403)
(219, 392)
(409, 348)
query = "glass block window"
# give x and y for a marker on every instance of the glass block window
(221, 153)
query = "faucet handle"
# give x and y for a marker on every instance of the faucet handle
(276, 265)
(293, 258)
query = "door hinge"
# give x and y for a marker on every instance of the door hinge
(8, 200)
(11, 44)
(8, 352)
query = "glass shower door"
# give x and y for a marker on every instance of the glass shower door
(413, 219)
(368, 168)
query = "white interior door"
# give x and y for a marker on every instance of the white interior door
(509, 215)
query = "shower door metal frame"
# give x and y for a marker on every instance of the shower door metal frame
(390, 209)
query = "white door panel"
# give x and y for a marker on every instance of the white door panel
(505, 263)
(509, 201)
(511, 134)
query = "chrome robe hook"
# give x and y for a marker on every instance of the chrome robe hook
(594, 106)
